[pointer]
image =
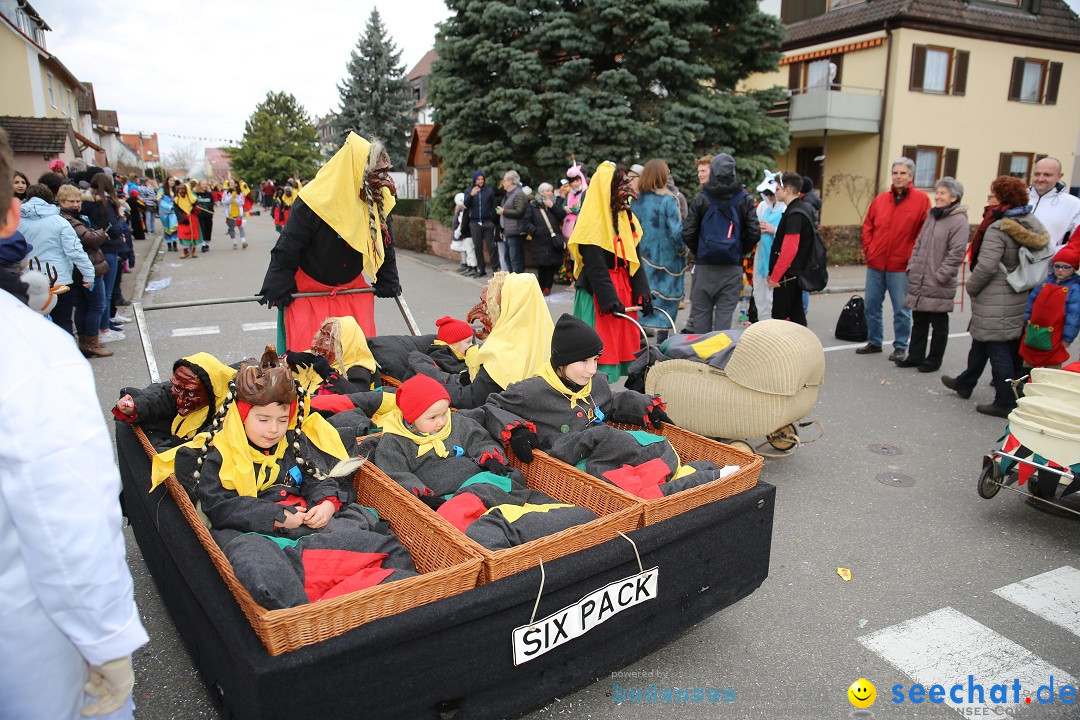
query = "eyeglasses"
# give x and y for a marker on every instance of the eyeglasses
(1063, 266)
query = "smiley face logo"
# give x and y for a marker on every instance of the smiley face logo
(862, 693)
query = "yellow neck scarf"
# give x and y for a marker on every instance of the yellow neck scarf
(185, 426)
(581, 396)
(287, 200)
(520, 341)
(394, 424)
(334, 195)
(593, 226)
(453, 349)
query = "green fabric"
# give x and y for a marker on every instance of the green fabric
(500, 481)
(281, 348)
(373, 511)
(281, 542)
(645, 437)
(1038, 337)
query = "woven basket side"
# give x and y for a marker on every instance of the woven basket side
(388, 381)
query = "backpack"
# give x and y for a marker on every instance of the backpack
(851, 325)
(1033, 268)
(720, 239)
(814, 275)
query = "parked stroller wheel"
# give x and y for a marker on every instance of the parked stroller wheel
(742, 445)
(784, 439)
(989, 481)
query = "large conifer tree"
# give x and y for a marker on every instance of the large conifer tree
(375, 98)
(279, 142)
(528, 83)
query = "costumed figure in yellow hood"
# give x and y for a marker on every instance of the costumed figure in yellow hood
(188, 229)
(519, 342)
(607, 271)
(338, 230)
(175, 411)
(276, 483)
(340, 376)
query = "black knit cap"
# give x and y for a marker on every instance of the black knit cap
(573, 340)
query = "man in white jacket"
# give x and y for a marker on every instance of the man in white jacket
(1049, 197)
(68, 620)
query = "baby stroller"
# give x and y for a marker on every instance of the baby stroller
(770, 382)
(1041, 445)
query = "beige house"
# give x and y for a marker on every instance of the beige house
(972, 89)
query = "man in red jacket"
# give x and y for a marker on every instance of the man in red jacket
(892, 224)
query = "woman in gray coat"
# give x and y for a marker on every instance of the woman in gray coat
(997, 311)
(935, 260)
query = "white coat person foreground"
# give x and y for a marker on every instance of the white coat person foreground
(68, 620)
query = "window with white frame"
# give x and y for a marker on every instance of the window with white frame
(52, 95)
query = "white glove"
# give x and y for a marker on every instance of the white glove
(111, 683)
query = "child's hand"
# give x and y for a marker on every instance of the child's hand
(318, 516)
(292, 519)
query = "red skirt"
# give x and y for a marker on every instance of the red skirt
(190, 230)
(620, 336)
(304, 316)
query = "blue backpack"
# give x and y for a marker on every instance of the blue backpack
(720, 239)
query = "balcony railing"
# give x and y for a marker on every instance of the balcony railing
(836, 108)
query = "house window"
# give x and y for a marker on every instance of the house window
(938, 70)
(1018, 164)
(932, 163)
(52, 96)
(1035, 81)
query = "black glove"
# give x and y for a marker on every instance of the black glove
(300, 359)
(646, 306)
(386, 289)
(614, 307)
(281, 301)
(432, 501)
(655, 416)
(322, 366)
(495, 466)
(522, 442)
(336, 384)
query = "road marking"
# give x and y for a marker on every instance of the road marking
(248, 327)
(859, 345)
(1053, 596)
(207, 330)
(945, 647)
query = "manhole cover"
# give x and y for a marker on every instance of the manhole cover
(884, 449)
(895, 479)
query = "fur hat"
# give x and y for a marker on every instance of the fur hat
(573, 340)
(417, 394)
(1069, 254)
(265, 383)
(452, 330)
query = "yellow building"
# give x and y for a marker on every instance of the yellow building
(973, 89)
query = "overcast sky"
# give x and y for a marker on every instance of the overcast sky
(197, 68)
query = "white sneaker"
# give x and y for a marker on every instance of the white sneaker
(118, 318)
(107, 336)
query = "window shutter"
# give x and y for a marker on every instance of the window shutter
(1017, 78)
(959, 86)
(794, 75)
(838, 60)
(1053, 80)
(910, 151)
(951, 157)
(1004, 161)
(918, 66)
(1040, 157)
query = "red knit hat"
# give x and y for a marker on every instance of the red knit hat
(452, 330)
(417, 394)
(1069, 254)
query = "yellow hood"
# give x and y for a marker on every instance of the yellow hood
(593, 226)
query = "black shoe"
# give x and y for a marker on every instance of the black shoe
(950, 382)
(909, 362)
(123, 301)
(897, 355)
(994, 410)
(867, 349)
(928, 368)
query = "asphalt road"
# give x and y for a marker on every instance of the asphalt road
(792, 648)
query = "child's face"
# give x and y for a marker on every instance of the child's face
(434, 418)
(582, 371)
(462, 345)
(265, 425)
(1063, 271)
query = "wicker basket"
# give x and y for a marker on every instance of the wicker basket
(447, 565)
(689, 446)
(617, 514)
(388, 381)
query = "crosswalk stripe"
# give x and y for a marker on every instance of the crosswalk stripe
(248, 327)
(833, 348)
(188, 331)
(944, 647)
(1053, 596)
